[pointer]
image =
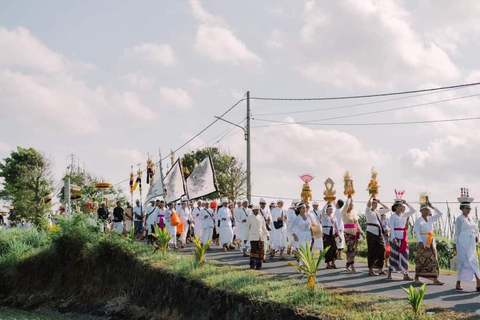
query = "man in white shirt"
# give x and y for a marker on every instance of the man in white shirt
(255, 232)
(207, 221)
(236, 228)
(241, 220)
(196, 214)
(290, 218)
(151, 216)
(138, 219)
(278, 240)
(225, 230)
(266, 215)
(185, 215)
(340, 240)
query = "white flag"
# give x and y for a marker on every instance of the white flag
(174, 183)
(156, 189)
(202, 180)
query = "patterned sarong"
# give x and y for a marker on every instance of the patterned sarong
(426, 264)
(352, 244)
(257, 254)
(398, 261)
(376, 250)
(329, 241)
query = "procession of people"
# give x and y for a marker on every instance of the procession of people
(260, 232)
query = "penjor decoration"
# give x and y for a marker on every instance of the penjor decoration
(306, 194)
(373, 184)
(329, 195)
(348, 189)
(150, 170)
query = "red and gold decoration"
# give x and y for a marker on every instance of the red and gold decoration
(306, 194)
(373, 184)
(47, 199)
(348, 189)
(131, 181)
(150, 170)
(329, 195)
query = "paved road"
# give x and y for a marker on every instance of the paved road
(440, 296)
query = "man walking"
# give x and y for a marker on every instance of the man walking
(255, 233)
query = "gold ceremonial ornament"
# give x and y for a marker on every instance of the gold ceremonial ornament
(373, 184)
(76, 196)
(423, 198)
(306, 194)
(47, 199)
(348, 189)
(329, 195)
(75, 188)
(103, 185)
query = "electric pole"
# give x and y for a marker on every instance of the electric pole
(249, 180)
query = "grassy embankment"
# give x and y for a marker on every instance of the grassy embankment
(100, 258)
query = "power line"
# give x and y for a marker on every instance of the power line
(370, 112)
(349, 105)
(369, 95)
(183, 145)
(379, 123)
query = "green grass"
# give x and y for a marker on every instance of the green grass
(78, 243)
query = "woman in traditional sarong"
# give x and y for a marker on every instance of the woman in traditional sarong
(426, 261)
(301, 228)
(278, 234)
(375, 236)
(398, 239)
(255, 232)
(465, 240)
(330, 233)
(351, 231)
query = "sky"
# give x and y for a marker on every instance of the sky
(113, 81)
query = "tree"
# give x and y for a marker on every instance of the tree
(28, 181)
(230, 172)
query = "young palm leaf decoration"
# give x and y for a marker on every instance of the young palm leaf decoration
(308, 265)
(200, 250)
(131, 233)
(415, 297)
(162, 239)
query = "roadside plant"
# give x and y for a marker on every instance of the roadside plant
(200, 250)
(162, 238)
(415, 297)
(308, 264)
(131, 234)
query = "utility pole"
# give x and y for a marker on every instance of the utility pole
(246, 131)
(249, 180)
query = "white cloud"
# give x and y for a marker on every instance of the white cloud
(202, 14)
(133, 106)
(5, 148)
(221, 45)
(176, 97)
(139, 80)
(19, 48)
(368, 43)
(161, 54)
(216, 41)
(275, 41)
(284, 152)
(57, 102)
(128, 156)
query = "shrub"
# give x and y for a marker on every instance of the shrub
(200, 250)
(308, 265)
(415, 297)
(162, 237)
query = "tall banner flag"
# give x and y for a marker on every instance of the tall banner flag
(174, 183)
(201, 181)
(156, 189)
